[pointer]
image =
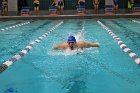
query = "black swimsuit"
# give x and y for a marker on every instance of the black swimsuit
(36, 5)
(4, 5)
(54, 4)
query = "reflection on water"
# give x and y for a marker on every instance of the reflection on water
(77, 84)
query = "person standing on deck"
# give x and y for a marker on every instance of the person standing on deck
(96, 5)
(36, 7)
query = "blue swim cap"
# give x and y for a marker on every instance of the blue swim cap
(71, 39)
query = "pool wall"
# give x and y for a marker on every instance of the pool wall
(91, 16)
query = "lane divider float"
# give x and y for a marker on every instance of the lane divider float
(136, 21)
(14, 26)
(123, 46)
(23, 52)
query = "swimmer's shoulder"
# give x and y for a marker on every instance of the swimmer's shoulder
(63, 45)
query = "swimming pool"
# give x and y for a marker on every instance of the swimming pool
(93, 70)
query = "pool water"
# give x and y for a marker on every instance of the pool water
(94, 70)
(127, 31)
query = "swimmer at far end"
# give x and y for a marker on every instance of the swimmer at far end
(72, 44)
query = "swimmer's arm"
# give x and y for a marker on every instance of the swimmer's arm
(86, 44)
(94, 44)
(56, 47)
(59, 46)
(52, 3)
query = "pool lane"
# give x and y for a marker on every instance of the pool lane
(127, 30)
(122, 45)
(105, 69)
(12, 41)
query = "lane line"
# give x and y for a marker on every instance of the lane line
(122, 45)
(14, 26)
(23, 52)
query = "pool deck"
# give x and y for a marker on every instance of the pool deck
(80, 16)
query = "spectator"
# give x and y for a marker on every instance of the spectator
(81, 7)
(81, 2)
(61, 6)
(116, 2)
(55, 4)
(36, 7)
(4, 8)
(130, 5)
(96, 5)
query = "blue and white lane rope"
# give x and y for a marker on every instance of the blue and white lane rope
(14, 26)
(121, 44)
(136, 21)
(19, 55)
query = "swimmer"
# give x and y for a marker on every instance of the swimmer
(81, 2)
(4, 8)
(61, 5)
(116, 4)
(96, 5)
(72, 44)
(36, 7)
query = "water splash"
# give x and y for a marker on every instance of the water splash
(66, 52)
(80, 36)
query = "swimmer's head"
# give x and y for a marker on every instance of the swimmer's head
(71, 39)
(71, 42)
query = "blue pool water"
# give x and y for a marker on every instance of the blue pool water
(94, 70)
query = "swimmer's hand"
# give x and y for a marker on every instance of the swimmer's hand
(98, 44)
